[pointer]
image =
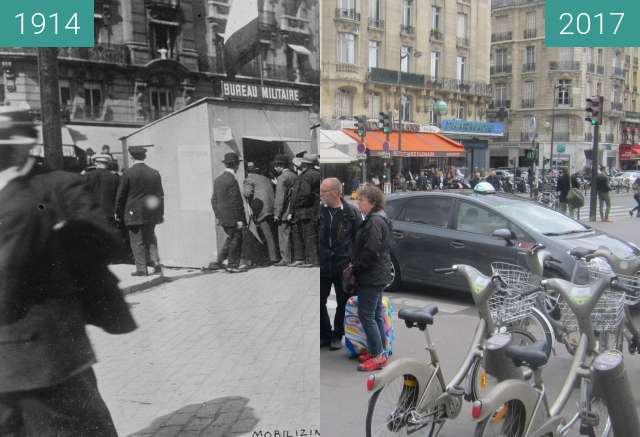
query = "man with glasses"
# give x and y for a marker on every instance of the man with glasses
(339, 222)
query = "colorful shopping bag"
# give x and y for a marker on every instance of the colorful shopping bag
(355, 338)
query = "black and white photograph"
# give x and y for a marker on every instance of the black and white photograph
(159, 203)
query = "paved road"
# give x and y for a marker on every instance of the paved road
(343, 391)
(217, 355)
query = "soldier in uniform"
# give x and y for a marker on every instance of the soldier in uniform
(103, 183)
(140, 206)
(283, 211)
(228, 208)
(306, 201)
(55, 247)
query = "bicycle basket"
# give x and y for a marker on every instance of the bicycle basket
(517, 278)
(599, 268)
(607, 316)
(507, 307)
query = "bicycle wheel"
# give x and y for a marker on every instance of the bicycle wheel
(390, 407)
(602, 429)
(538, 326)
(507, 421)
(480, 381)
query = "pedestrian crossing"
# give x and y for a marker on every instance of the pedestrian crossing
(616, 211)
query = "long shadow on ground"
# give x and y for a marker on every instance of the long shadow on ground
(227, 416)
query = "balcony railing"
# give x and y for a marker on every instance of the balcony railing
(564, 102)
(501, 36)
(529, 67)
(618, 72)
(497, 4)
(113, 54)
(173, 4)
(588, 136)
(393, 77)
(530, 33)
(407, 29)
(218, 10)
(436, 35)
(348, 14)
(289, 23)
(376, 23)
(501, 69)
(561, 136)
(18, 51)
(462, 42)
(564, 66)
(496, 104)
(616, 106)
(528, 103)
(344, 67)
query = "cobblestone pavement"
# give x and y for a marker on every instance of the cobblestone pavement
(217, 355)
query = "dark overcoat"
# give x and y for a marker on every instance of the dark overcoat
(103, 184)
(140, 199)
(227, 201)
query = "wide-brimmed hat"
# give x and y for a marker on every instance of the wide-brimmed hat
(17, 127)
(231, 158)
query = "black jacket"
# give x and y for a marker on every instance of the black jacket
(495, 181)
(305, 195)
(574, 181)
(140, 199)
(104, 186)
(563, 187)
(371, 251)
(337, 234)
(227, 201)
(602, 184)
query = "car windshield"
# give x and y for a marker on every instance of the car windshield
(542, 220)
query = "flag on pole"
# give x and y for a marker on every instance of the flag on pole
(241, 35)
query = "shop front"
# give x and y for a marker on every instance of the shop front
(187, 148)
(338, 158)
(629, 156)
(475, 136)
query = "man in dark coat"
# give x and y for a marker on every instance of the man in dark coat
(55, 247)
(339, 223)
(140, 206)
(283, 211)
(103, 183)
(306, 204)
(228, 208)
(258, 190)
(604, 193)
(562, 187)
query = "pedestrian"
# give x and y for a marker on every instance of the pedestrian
(563, 185)
(103, 184)
(89, 154)
(283, 210)
(578, 202)
(636, 197)
(140, 207)
(494, 180)
(228, 208)
(372, 271)
(55, 247)
(604, 193)
(113, 164)
(438, 182)
(258, 190)
(339, 223)
(306, 204)
(476, 180)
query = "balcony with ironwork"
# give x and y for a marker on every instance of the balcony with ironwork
(16, 52)
(436, 35)
(501, 36)
(462, 42)
(501, 69)
(564, 102)
(294, 25)
(342, 71)
(528, 103)
(167, 4)
(218, 11)
(497, 104)
(588, 136)
(564, 66)
(407, 29)
(347, 14)
(111, 54)
(530, 33)
(529, 67)
(393, 77)
(618, 73)
(376, 23)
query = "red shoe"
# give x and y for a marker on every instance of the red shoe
(364, 356)
(375, 363)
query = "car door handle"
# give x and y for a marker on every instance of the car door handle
(457, 244)
(398, 234)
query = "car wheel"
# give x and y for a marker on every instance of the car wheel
(395, 283)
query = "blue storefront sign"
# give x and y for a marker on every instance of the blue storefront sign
(457, 126)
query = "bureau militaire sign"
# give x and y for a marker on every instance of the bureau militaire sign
(257, 92)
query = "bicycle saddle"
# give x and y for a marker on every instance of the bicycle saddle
(581, 252)
(533, 355)
(421, 317)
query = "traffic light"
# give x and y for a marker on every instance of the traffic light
(595, 108)
(385, 122)
(362, 126)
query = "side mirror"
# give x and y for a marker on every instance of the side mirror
(504, 234)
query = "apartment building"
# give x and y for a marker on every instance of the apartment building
(629, 149)
(153, 57)
(530, 80)
(423, 60)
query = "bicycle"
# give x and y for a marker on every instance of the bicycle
(516, 408)
(418, 395)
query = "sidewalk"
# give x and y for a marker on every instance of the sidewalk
(131, 284)
(216, 354)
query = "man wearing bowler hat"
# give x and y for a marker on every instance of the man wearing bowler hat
(228, 208)
(140, 206)
(55, 248)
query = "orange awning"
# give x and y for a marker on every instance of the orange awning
(414, 144)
